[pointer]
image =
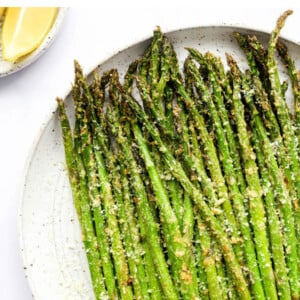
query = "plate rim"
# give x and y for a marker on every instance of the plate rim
(66, 93)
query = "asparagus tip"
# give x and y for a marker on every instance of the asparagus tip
(282, 18)
(237, 35)
(230, 60)
(78, 70)
(157, 30)
(59, 101)
(275, 34)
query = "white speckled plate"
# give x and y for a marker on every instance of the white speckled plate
(49, 231)
(7, 68)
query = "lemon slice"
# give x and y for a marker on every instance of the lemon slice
(2, 9)
(24, 29)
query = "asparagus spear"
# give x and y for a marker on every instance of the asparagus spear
(260, 57)
(254, 192)
(85, 148)
(188, 162)
(199, 257)
(178, 244)
(175, 145)
(218, 79)
(254, 51)
(285, 155)
(277, 98)
(113, 115)
(165, 95)
(278, 182)
(155, 76)
(117, 248)
(293, 74)
(194, 161)
(153, 93)
(134, 259)
(230, 177)
(282, 111)
(119, 181)
(146, 220)
(81, 201)
(274, 223)
(205, 240)
(207, 215)
(212, 162)
(155, 89)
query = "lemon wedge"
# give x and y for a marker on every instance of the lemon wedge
(24, 29)
(2, 9)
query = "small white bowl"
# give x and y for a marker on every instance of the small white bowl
(7, 68)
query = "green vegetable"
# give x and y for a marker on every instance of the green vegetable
(186, 182)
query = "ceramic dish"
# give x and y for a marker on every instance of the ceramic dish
(7, 68)
(49, 230)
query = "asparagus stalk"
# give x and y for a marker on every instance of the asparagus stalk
(164, 91)
(85, 148)
(155, 76)
(155, 89)
(202, 277)
(254, 191)
(260, 57)
(176, 240)
(88, 159)
(146, 220)
(274, 223)
(212, 162)
(192, 159)
(278, 181)
(179, 173)
(196, 164)
(283, 152)
(278, 100)
(80, 195)
(217, 77)
(293, 74)
(183, 142)
(230, 177)
(254, 51)
(122, 195)
(113, 120)
(283, 116)
(134, 259)
(215, 256)
(117, 248)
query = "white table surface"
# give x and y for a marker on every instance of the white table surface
(27, 98)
